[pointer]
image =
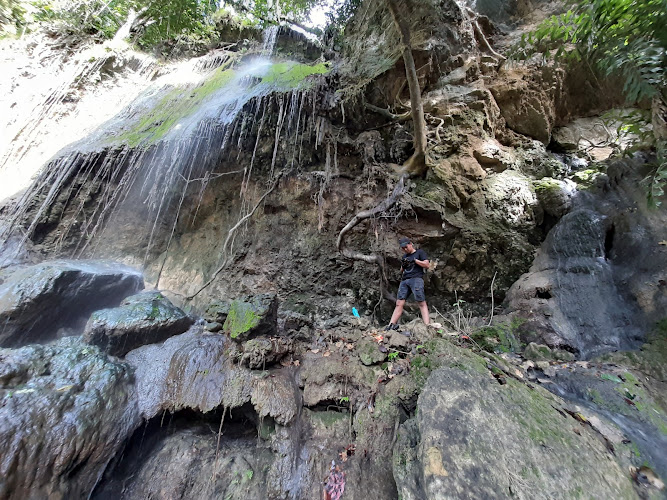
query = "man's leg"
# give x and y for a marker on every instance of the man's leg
(424, 310)
(398, 310)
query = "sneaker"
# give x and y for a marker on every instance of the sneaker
(390, 327)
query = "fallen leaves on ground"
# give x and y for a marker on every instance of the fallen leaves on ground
(335, 483)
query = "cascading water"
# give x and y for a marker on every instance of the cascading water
(189, 127)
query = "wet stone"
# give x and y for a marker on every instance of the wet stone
(145, 318)
(37, 301)
(65, 409)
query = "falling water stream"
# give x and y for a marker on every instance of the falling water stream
(188, 127)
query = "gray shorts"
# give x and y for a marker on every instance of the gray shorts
(416, 285)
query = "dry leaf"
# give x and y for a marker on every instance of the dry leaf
(296, 362)
(314, 351)
(326, 354)
(663, 242)
(339, 343)
(350, 346)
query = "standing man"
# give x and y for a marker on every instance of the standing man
(413, 264)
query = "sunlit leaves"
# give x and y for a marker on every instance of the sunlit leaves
(627, 38)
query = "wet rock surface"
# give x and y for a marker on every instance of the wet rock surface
(593, 287)
(145, 318)
(36, 301)
(476, 438)
(66, 409)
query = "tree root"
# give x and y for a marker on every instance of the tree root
(481, 37)
(399, 190)
(388, 114)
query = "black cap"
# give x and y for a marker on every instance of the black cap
(404, 242)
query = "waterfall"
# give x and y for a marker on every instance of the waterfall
(132, 175)
(270, 36)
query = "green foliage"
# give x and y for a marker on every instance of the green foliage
(167, 19)
(156, 22)
(96, 18)
(11, 14)
(627, 38)
(499, 338)
(392, 356)
(272, 11)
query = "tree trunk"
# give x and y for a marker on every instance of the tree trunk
(417, 162)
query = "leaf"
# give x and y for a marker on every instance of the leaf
(612, 378)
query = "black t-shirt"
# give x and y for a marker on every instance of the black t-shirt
(410, 269)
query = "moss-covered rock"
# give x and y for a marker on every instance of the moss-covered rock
(473, 437)
(369, 352)
(254, 316)
(145, 318)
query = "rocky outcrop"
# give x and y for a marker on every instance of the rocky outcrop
(36, 301)
(475, 438)
(570, 291)
(66, 409)
(145, 318)
(594, 287)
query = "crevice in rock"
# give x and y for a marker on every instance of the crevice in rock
(609, 241)
(330, 405)
(542, 293)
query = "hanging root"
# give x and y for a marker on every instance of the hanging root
(387, 203)
(481, 37)
(231, 233)
(388, 114)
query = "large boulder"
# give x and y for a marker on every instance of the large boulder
(36, 301)
(66, 409)
(475, 438)
(145, 318)
(569, 297)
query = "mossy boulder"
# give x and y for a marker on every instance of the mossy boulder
(472, 437)
(144, 318)
(540, 352)
(369, 352)
(254, 316)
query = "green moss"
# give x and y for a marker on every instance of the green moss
(546, 184)
(290, 76)
(499, 338)
(241, 318)
(176, 104)
(585, 179)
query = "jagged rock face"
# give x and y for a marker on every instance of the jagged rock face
(475, 438)
(36, 301)
(145, 318)
(66, 410)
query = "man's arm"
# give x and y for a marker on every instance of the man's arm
(422, 263)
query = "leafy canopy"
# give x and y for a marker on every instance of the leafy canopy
(158, 20)
(616, 37)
